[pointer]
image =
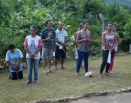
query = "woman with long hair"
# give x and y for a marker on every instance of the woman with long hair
(84, 39)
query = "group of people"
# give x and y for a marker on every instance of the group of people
(55, 41)
(50, 40)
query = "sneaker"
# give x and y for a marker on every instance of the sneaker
(28, 82)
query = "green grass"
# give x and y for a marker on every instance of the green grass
(64, 83)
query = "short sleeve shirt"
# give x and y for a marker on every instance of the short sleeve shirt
(60, 35)
(45, 33)
(14, 58)
(109, 40)
(33, 44)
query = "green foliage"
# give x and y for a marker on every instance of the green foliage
(17, 16)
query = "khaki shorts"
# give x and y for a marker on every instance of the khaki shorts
(47, 53)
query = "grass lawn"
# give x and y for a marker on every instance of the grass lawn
(64, 83)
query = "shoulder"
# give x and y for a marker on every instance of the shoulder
(44, 30)
(52, 29)
(7, 52)
(104, 33)
(18, 50)
(89, 32)
(64, 30)
(57, 31)
(28, 36)
(37, 36)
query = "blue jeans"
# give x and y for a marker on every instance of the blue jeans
(82, 55)
(32, 63)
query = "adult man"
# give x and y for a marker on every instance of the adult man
(48, 38)
(61, 39)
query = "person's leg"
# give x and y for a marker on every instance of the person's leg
(36, 62)
(86, 55)
(56, 56)
(63, 55)
(14, 75)
(45, 52)
(44, 65)
(80, 58)
(49, 59)
(20, 75)
(112, 62)
(104, 61)
(30, 65)
(108, 65)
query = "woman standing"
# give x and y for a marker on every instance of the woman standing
(108, 45)
(32, 45)
(84, 39)
(116, 47)
(14, 58)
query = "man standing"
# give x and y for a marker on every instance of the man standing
(48, 38)
(61, 40)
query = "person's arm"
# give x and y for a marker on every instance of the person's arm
(27, 50)
(9, 64)
(66, 37)
(115, 41)
(59, 42)
(42, 37)
(39, 47)
(117, 38)
(89, 40)
(104, 42)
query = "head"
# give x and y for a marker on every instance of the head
(81, 26)
(48, 23)
(60, 25)
(33, 30)
(113, 27)
(109, 26)
(85, 24)
(11, 48)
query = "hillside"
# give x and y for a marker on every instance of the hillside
(122, 2)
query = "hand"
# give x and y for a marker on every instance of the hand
(32, 56)
(15, 67)
(54, 49)
(48, 39)
(64, 44)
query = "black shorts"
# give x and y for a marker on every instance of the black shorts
(59, 52)
(16, 75)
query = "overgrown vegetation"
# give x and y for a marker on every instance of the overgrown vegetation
(17, 16)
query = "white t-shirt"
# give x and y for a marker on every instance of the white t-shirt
(60, 35)
(33, 44)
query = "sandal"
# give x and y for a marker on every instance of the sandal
(62, 67)
(49, 71)
(55, 68)
(45, 73)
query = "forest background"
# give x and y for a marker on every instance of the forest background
(16, 17)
